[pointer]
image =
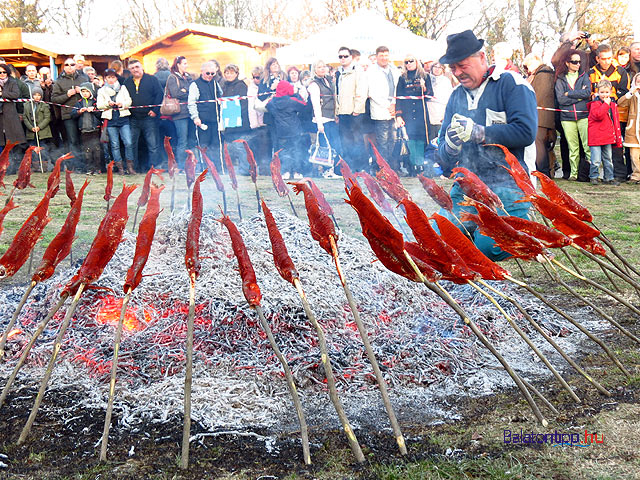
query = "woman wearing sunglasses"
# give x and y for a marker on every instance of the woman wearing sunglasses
(10, 127)
(573, 91)
(411, 113)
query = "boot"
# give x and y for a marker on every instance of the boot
(130, 168)
(119, 168)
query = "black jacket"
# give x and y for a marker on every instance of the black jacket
(148, 92)
(286, 113)
(412, 111)
(573, 106)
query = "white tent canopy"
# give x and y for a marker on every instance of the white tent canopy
(365, 30)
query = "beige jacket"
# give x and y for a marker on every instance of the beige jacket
(352, 91)
(104, 96)
(632, 133)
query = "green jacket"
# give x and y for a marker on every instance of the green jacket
(42, 119)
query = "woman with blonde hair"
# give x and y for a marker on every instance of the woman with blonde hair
(411, 114)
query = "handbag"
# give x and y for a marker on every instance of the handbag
(170, 105)
(322, 155)
(104, 134)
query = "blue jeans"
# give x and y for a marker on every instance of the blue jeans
(115, 135)
(148, 127)
(350, 128)
(486, 244)
(182, 131)
(385, 138)
(601, 154)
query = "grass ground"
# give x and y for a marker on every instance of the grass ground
(470, 448)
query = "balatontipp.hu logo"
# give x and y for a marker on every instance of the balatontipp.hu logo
(555, 439)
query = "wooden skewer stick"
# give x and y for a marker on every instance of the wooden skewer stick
(238, 203)
(404, 232)
(546, 336)
(483, 339)
(112, 382)
(108, 204)
(573, 321)
(370, 354)
(23, 357)
(293, 209)
(328, 370)
(258, 197)
(596, 285)
(186, 428)
(52, 361)
(602, 313)
(135, 219)
(224, 201)
(613, 249)
(290, 383)
(540, 396)
(528, 341)
(12, 322)
(612, 269)
(449, 300)
(173, 192)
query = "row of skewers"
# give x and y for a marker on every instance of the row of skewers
(448, 255)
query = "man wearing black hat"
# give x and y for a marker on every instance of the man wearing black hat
(489, 106)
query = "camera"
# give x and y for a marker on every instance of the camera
(586, 35)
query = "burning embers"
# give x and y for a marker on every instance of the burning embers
(135, 318)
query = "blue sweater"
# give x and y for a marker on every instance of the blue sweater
(506, 105)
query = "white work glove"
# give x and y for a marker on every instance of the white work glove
(452, 139)
(469, 131)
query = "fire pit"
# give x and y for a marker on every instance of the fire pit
(427, 355)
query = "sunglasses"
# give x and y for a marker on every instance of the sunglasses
(344, 56)
(256, 77)
(574, 62)
(69, 64)
(407, 62)
(2, 71)
(208, 73)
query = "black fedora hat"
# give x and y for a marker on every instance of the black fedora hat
(460, 46)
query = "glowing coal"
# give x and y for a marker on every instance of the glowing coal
(426, 354)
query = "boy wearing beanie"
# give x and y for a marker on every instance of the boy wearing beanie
(88, 117)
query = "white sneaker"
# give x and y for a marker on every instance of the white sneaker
(286, 176)
(330, 175)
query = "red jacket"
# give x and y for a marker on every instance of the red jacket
(604, 124)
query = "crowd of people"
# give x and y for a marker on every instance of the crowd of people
(589, 95)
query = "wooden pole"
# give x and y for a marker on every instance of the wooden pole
(613, 249)
(528, 341)
(258, 197)
(612, 269)
(23, 357)
(12, 322)
(574, 322)
(293, 209)
(449, 300)
(135, 219)
(370, 354)
(328, 370)
(173, 192)
(290, 383)
(186, 430)
(238, 203)
(112, 382)
(546, 336)
(52, 362)
(224, 201)
(602, 313)
(540, 396)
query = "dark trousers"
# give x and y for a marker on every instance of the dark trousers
(545, 141)
(385, 139)
(73, 142)
(353, 148)
(147, 127)
(210, 138)
(92, 150)
(292, 156)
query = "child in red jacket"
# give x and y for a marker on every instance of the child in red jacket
(604, 131)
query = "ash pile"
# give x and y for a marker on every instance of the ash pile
(427, 355)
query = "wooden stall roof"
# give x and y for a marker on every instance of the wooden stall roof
(246, 38)
(54, 44)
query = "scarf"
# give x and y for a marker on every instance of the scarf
(3, 81)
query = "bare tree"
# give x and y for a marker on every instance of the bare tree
(71, 16)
